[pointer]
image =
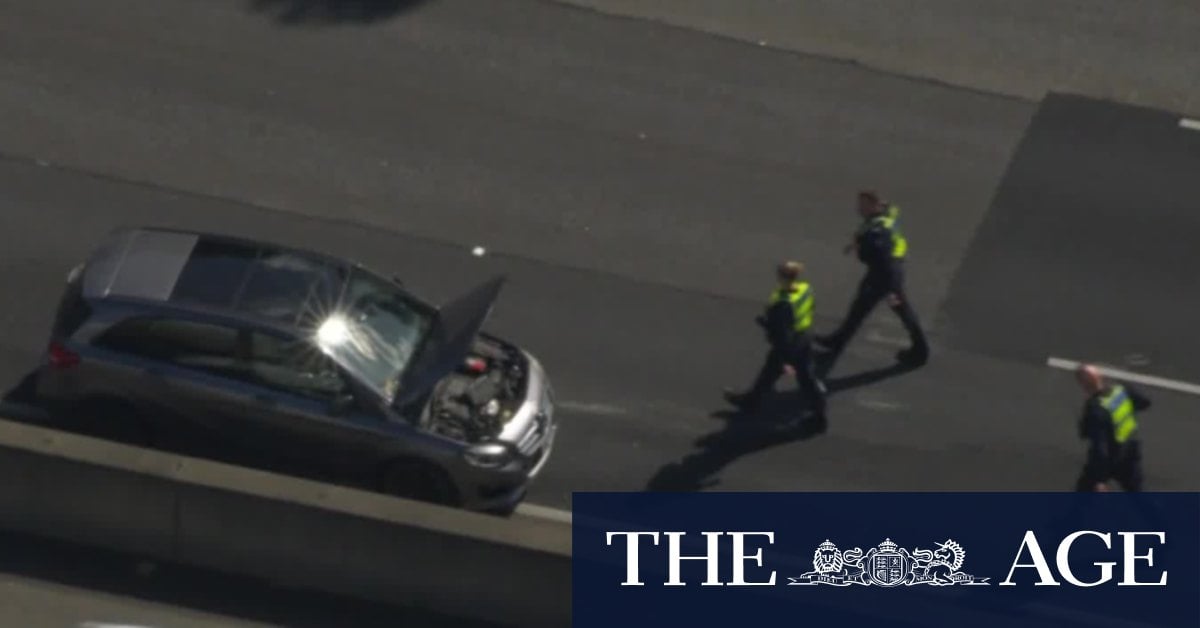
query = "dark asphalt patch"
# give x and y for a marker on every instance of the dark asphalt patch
(133, 577)
(1089, 250)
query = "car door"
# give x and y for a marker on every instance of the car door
(307, 412)
(178, 373)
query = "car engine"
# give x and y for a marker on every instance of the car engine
(473, 403)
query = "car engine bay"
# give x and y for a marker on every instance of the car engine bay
(476, 401)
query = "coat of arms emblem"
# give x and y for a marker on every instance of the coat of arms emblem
(888, 565)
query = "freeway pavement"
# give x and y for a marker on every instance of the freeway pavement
(1142, 53)
(1085, 236)
(45, 584)
(635, 182)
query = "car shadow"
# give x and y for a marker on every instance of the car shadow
(776, 423)
(20, 404)
(292, 12)
(22, 391)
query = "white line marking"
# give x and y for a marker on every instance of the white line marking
(100, 624)
(1148, 380)
(1137, 359)
(1190, 124)
(544, 512)
(874, 336)
(879, 405)
(592, 408)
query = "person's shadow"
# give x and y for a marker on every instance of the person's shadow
(868, 377)
(742, 434)
(776, 423)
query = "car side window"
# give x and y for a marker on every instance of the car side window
(202, 346)
(294, 366)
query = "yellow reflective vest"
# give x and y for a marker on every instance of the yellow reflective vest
(889, 220)
(1120, 408)
(799, 295)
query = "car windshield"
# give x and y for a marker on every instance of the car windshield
(375, 331)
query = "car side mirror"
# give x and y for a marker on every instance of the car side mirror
(341, 404)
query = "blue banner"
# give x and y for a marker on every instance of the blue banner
(886, 559)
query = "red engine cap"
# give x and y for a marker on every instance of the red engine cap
(476, 365)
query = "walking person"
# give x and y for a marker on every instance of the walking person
(787, 321)
(1109, 424)
(882, 249)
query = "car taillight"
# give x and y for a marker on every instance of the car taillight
(61, 357)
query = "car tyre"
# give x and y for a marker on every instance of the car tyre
(421, 481)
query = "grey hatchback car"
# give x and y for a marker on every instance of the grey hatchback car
(299, 361)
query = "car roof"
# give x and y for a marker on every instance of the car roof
(230, 276)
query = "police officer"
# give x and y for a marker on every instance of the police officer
(1110, 426)
(787, 320)
(882, 248)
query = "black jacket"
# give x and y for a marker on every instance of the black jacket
(1095, 426)
(874, 243)
(779, 323)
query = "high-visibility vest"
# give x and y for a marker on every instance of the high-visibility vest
(799, 295)
(888, 220)
(1120, 408)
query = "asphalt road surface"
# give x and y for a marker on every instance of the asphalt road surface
(635, 182)
(1142, 53)
(45, 584)
(636, 263)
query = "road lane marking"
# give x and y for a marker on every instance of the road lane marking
(876, 337)
(886, 406)
(1137, 359)
(592, 408)
(1190, 124)
(1148, 380)
(544, 512)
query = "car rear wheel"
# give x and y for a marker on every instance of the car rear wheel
(421, 481)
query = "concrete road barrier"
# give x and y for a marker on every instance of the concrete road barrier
(292, 532)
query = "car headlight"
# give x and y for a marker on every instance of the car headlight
(489, 455)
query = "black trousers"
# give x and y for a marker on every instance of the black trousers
(1126, 471)
(874, 288)
(799, 356)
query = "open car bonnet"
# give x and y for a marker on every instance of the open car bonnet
(450, 339)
